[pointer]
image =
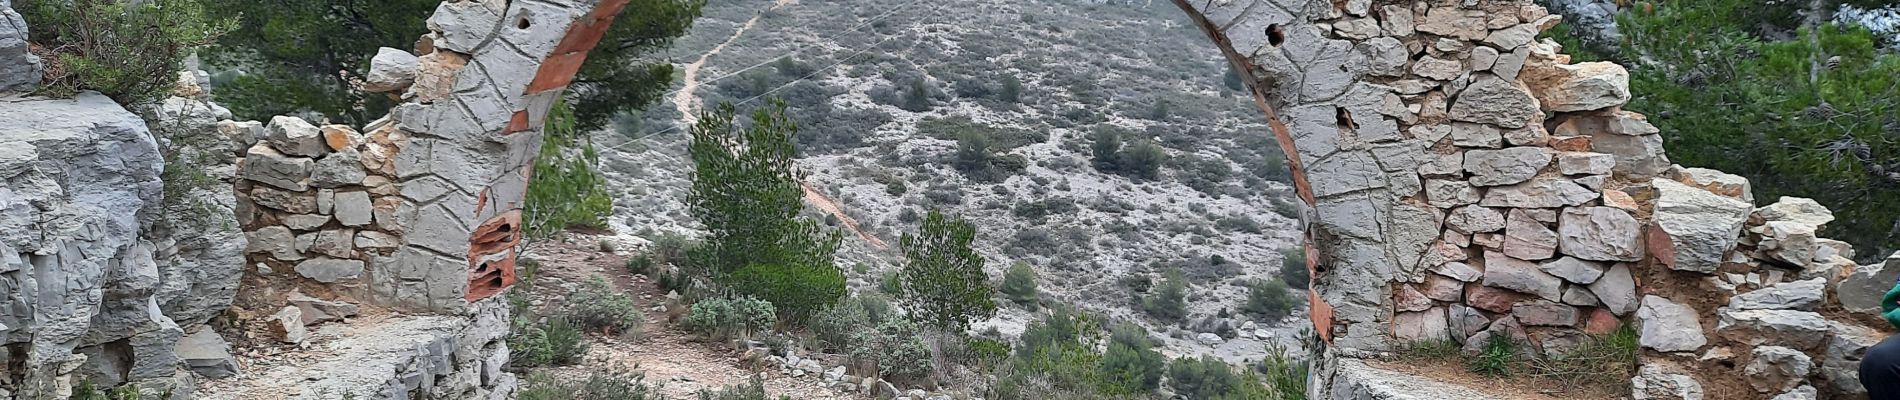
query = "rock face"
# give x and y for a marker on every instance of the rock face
(19, 69)
(69, 231)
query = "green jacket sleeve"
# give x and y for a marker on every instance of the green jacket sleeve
(1890, 306)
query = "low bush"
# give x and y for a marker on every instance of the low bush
(835, 327)
(1019, 285)
(728, 318)
(1169, 303)
(897, 347)
(608, 384)
(1211, 378)
(1130, 363)
(597, 306)
(556, 341)
(130, 51)
(796, 292)
(753, 389)
(1293, 268)
(1268, 300)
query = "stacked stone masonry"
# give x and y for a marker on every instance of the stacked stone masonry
(117, 252)
(1466, 181)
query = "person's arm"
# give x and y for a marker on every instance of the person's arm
(1890, 306)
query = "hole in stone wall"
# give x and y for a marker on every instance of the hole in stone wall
(1343, 118)
(522, 23)
(1274, 36)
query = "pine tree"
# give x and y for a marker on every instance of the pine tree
(1169, 303)
(747, 194)
(1019, 285)
(944, 283)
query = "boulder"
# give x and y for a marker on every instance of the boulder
(1840, 362)
(1209, 339)
(1697, 227)
(1774, 369)
(390, 70)
(1600, 234)
(1667, 326)
(1797, 295)
(1800, 330)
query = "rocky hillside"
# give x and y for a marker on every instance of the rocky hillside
(1037, 78)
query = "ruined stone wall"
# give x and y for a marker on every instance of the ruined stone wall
(419, 210)
(1464, 180)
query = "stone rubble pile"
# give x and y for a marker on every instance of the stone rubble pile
(1467, 181)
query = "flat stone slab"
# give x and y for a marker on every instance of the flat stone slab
(1354, 379)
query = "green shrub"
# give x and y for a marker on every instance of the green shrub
(1202, 378)
(1268, 299)
(1112, 154)
(1060, 327)
(1293, 268)
(1284, 375)
(568, 190)
(978, 352)
(1131, 363)
(753, 389)
(944, 283)
(890, 284)
(86, 391)
(727, 318)
(897, 347)
(1495, 358)
(610, 384)
(558, 341)
(1019, 285)
(836, 326)
(597, 306)
(130, 51)
(1169, 303)
(795, 290)
(640, 264)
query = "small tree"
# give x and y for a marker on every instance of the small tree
(944, 283)
(1143, 160)
(1019, 285)
(1131, 363)
(1106, 149)
(917, 97)
(747, 195)
(1268, 300)
(1169, 303)
(130, 51)
(1012, 90)
(1293, 268)
(568, 190)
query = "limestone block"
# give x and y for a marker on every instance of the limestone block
(1775, 369)
(353, 208)
(1544, 313)
(330, 270)
(295, 137)
(1502, 271)
(1525, 238)
(316, 311)
(1579, 87)
(1668, 326)
(1796, 209)
(1861, 291)
(207, 354)
(1443, 193)
(1698, 227)
(1506, 166)
(1797, 295)
(1540, 192)
(265, 165)
(1575, 270)
(1468, 25)
(1492, 100)
(1424, 325)
(390, 70)
(1664, 381)
(337, 170)
(1474, 219)
(1584, 163)
(1600, 234)
(1796, 329)
(287, 325)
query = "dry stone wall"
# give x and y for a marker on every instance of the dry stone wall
(1466, 181)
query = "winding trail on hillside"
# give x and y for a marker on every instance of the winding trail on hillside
(684, 100)
(824, 203)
